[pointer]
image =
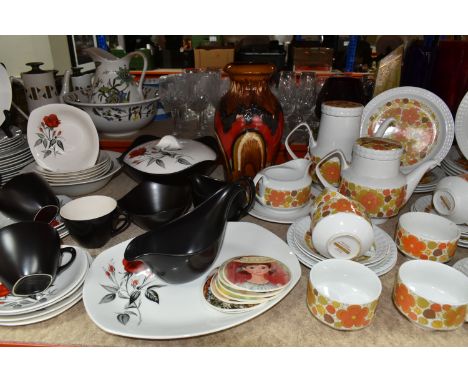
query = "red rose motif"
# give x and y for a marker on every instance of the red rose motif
(137, 152)
(4, 291)
(134, 266)
(51, 121)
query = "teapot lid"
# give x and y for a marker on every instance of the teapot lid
(378, 148)
(340, 108)
(35, 68)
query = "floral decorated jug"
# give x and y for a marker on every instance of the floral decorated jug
(373, 178)
(112, 81)
(249, 121)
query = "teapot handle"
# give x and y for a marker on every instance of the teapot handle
(311, 141)
(143, 72)
(19, 81)
(343, 164)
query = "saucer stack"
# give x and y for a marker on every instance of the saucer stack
(430, 180)
(455, 163)
(424, 204)
(244, 283)
(65, 292)
(14, 154)
(381, 259)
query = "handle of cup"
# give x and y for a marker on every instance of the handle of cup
(311, 140)
(249, 186)
(318, 172)
(383, 127)
(124, 221)
(258, 180)
(70, 250)
(143, 72)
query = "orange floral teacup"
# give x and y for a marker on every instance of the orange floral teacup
(426, 236)
(431, 295)
(340, 226)
(343, 294)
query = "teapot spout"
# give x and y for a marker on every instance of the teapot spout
(65, 85)
(413, 178)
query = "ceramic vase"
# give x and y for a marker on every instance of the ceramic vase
(248, 121)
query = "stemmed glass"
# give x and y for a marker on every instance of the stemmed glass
(286, 94)
(199, 87)
(173, 96)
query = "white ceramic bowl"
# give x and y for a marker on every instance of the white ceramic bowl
(425, 236)
(343, 294)
(343, 235)
(117, 119)
(431, 295)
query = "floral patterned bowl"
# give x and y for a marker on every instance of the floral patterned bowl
(116, 119)
(426, 236)
(431, 295)
(343, 294)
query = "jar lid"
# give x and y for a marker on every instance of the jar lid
(340, 108)
(378, 148)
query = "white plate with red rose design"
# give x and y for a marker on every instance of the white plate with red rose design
(422, 123)
(62, 138)
(133, 302)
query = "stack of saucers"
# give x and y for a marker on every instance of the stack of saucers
(381, 259)
(424, 204)
(14, 154)
(65, 292)
(455, 163)
(430, 180)
(244, 283)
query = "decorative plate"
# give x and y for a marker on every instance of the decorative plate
(424, 124)
(461, 126)
(64, 284)
(62, 138)
(168, 155)
(131, 301)
(5, 92)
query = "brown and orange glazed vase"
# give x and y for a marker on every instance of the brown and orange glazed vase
(249, 121)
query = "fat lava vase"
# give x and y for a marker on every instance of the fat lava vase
(248, 121)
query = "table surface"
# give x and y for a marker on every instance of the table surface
(289, 323)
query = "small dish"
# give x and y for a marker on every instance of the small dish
(62, 138)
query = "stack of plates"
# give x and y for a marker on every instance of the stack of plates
(455, 163)
(65, 292)
(430, 180)
(14, 154)
(424, 204)
(57, 223)
(76, 183)
(381, 260)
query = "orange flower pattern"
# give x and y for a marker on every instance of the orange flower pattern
(378, 203)
(286, 199)
(332, 202)
(416, 127)
(410, 245)
(380, 144)
(339, 315)
(427, 313)
(331, 171)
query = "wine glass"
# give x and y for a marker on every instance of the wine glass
(199, 87)
(173, 95)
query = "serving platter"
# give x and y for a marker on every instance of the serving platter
(5, 92)
(461, 126)
(423, 123)
(165, 311)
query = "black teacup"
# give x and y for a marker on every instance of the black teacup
(93, 220)
(28, 197)
(30, 257)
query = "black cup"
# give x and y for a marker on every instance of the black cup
(93, 220)
(30, 257)
(28, 197)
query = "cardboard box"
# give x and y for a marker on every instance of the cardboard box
(318, 58)
(213, 58)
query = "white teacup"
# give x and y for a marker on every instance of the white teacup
(451, 198)
(431, 295)
(340, 227)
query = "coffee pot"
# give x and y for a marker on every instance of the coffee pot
(373, 177)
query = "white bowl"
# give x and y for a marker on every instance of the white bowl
(117, 119)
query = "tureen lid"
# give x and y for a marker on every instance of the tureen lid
(168, 155)
(378, 148)
(341, 108)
